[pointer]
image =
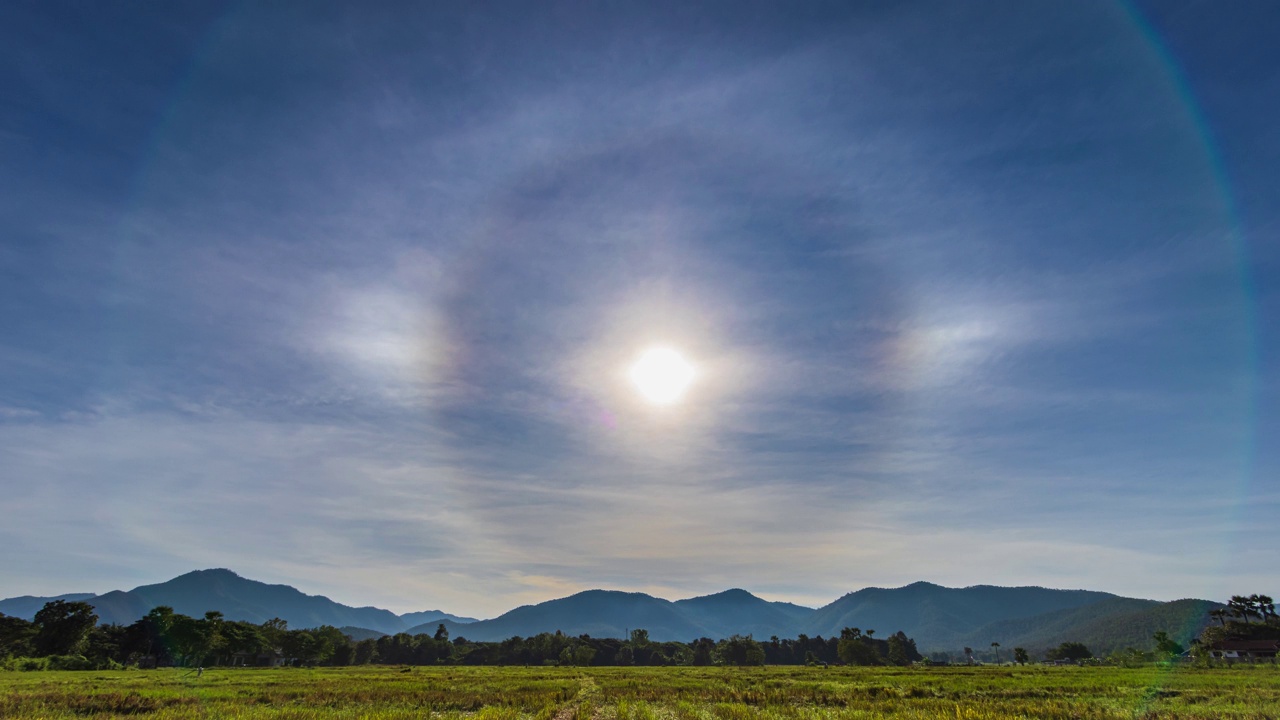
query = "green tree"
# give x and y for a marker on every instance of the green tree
(214, 625)
(625, 656)
(996, 646)
(243, 638)
(1241, 607)
(1130, 657)
(854, 648)
(1266, 606)
(740, 651)
(442, 633)
(907, 645)
(704, 651)
(105, 645)
(62, 628)
(192, 640)
(156, 628)
(681, 655)
(566, 656)
(898, 651)
(1165, 646)
(577, 653)
(1020, 656)
(274, 630)
(161, 616)
(366, 652)
(1069, 651)
(16, 635)
(324, 642)
(297, 646)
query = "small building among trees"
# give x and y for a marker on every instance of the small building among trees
(1244, 650)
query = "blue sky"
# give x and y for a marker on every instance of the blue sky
(346, 297)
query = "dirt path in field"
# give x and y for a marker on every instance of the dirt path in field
(584, 700)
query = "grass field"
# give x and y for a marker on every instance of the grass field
(496, 693)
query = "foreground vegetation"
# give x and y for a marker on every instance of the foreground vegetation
(689, 693)
(66, 636)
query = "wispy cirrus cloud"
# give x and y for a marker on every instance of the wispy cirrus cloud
(959, 311)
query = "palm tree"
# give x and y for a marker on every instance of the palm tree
(1257, 606)
(1266, 606)
(996, 647)
(1219, 614)
(1241, 607)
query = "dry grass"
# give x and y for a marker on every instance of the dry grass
(775, 693)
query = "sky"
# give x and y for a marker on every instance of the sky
(347, 296)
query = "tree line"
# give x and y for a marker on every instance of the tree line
(1244, 607)
(66, 635)
(1237, 622)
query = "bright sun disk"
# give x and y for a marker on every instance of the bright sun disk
(662, 375)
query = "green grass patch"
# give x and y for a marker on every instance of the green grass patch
(769, 693)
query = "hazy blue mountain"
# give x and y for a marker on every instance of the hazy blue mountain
(739, 612)
(1183, 620)
(430, 616)
(1104, 627)
(359, 633)
(455, 629)
(120, 608)
(1040, 632)
(598, 613)
(237, 598)
(27, 606)
(241, 599)
(939, 617)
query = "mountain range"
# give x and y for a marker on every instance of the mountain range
(938, 618)
(236, 598)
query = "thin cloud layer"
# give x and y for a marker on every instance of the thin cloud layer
(347, 300)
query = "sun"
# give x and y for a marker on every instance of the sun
(662, 375)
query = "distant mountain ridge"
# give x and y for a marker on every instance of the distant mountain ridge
(430, 616)
(937, 617)
(940, 616)
(237, 598)
(1103, 627)
(610, 613)
(26, 606)
(738, 612)
(599, 613)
